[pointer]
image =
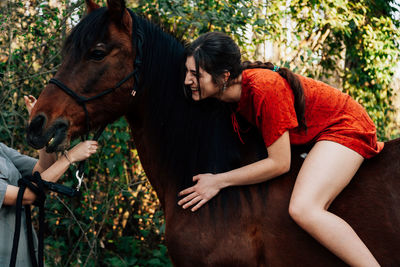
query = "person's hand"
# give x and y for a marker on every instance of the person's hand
(83, 150)
(207, 187)
(30, 102)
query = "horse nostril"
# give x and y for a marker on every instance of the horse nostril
(52, 136)
(35, 131)
(37, 124)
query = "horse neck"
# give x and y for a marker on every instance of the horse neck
(175, 137)
(160, 91)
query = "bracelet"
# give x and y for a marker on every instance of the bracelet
(67, 157)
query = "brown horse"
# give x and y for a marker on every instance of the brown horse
(177, 138)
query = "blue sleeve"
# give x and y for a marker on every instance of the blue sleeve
(3, 188)
(24, 164)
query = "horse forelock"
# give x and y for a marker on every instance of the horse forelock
(91, 29)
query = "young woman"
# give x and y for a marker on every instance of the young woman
(287, 109)
(13, 166)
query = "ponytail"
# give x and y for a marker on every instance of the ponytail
(294, 83)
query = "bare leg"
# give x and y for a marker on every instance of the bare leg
(326, 171)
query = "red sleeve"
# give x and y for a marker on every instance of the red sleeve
(267, 102)
(275, 112)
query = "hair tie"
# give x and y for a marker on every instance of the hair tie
(223, 87)
(276, 68)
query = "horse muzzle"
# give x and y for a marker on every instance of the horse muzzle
(54, 137)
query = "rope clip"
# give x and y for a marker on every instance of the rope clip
(79, 180)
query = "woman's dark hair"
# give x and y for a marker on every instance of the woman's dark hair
(217, 53)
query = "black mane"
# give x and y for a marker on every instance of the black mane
(193, 137)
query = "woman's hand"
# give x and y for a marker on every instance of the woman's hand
(83, 150)
(207, 186)
(30, 102)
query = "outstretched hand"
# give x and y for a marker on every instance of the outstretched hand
(206, 187)
(30, 102)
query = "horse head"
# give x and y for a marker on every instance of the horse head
(95, 77)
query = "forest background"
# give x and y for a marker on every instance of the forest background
(352, 45)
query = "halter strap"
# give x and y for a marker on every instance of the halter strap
(81, 100)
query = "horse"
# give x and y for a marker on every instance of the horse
(115, 64)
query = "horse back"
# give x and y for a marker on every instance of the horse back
(371, 204)
(250, 225)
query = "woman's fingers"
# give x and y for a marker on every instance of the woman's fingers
(201, 203)
(192, 202)
(83, 150)
(30, 102)
(92, 146)
(195, 196)
(32, 99)
(189, 197)
(187, 191)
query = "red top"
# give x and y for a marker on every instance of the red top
(267, 102)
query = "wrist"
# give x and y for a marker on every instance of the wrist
(69, 159)
(223, 180)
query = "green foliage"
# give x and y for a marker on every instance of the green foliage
(187, 19)
(31, 36)
(372, 54)
(353, 45)
(118, 220)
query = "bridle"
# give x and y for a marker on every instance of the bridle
(81, 100)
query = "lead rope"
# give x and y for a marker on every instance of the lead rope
(37, 186)
(39, 191)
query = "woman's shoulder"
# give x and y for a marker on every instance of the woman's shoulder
(2, 147)
(262, 82)
(258, 74)
(262, 78)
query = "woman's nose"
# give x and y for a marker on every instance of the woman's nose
(188, 81)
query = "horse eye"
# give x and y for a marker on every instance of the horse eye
(97, 55)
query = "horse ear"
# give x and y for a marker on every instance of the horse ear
(119, 14)
(116, 9)
(90, 5)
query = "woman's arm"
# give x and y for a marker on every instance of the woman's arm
(80, 152)
(208, 185)
(45, 161)
(52, 174)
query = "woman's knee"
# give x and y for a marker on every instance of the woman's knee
(303, 211)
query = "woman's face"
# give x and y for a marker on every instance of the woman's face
(207, 86)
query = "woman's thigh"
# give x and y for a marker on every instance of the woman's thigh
(326, 171)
